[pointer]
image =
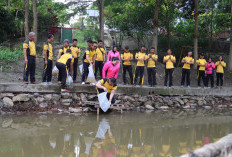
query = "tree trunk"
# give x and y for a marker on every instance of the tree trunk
(155, 23)
(211, 27)
(35, 19)
(26, 23)
(101, 18)
(8, 5)
(230, 55)
(196, 32)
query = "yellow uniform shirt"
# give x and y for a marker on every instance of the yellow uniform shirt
(63, 50)
(169, 63)
(187, 59)
(203, 62)
(151, 62)
(91, 55)
(75, 51)
(220, 66)
(48, 47)
(100, 54)
(105, 83)
(31, 46)
(127, 55)
(140, 55)
(66, 58)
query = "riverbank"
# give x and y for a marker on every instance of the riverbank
(39, 98)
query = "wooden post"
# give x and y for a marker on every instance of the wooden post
(98, 111)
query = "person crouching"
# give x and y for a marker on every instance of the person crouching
(109, 86)
(62, 64)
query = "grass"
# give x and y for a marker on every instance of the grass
(8, 55)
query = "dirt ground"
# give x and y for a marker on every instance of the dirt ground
(15, 73)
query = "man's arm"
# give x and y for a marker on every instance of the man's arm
(99, 85)
(45, 58)
(25, 55)
(87, 58)
(71, 68)
(111, 96)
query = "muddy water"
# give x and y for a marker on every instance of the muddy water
(135, 134)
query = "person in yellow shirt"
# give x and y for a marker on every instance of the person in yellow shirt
(88, 60)
(169, 61)
(141, 57)
(201, 62)
(76, 54)
(65, 61)
(48, 57)
(100, 58)
(64, 49)
(30, 57)
(220, 64)
(151, 67)
(127, 57)
(187, 61)
(109, 86)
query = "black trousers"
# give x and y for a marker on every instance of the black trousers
(108, 95)
(139, 72)
(211, 78)
(220, 77)
(168, 73)
(98, 66)
(47, 72)
(151, 76)
(129, 69)
(29, 69)
(185, 74)
(85, 71)
(75, 64)
(201, 75)
(63, 74)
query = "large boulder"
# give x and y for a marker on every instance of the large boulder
(48, 97)
(143, 99)
(83, 97)
(55, 97)
(128, 98)
(149, 107)
(8, 102)
(9, 95)
(65, 95)
(21, 98)
(75, 110)
(43, 105)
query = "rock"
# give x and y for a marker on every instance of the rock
(66, 104)
(6, 123)
(143, 99)
(76, 97)
(8, 102)
(180, 101)
(118, 101)
(207, 107)
(91, 97)
(160, 100)
(66, 100)
(83, 97)
(128, 98)
(48, 97)
(149, 107)
(170, 103)
(65, 95)
(9, 95)
(74, 110)
(227, 98)
(185, 100)
(164, 107)
(55, 97)
(186, 107)
(200, 103)
(21, 97)
(43, 105)
(40, 99)
(36, 94)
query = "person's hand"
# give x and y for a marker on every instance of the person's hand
(26, 61)
(110, 102)
(105, 89)
(46, 62)
(90, 64)
(170, 57)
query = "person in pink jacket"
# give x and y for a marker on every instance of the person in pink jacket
(114, 53)
(210, 66)
(111, 69)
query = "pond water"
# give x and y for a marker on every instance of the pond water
(135, 134)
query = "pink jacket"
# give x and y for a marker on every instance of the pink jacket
(209, 68)
(111, 54)
(112, 71)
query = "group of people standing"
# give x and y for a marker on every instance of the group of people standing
(107, 66)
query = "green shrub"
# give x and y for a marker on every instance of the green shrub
(10, 56)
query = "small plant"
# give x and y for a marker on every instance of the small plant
(10, 56)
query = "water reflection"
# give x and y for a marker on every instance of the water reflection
(132, 134)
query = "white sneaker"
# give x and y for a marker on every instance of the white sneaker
(188, 86)
(44, 83)
(182, 86)
(83, 83)
(49, 83)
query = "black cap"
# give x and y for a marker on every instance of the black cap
(202, 54)
(126, 47)
(89, 41)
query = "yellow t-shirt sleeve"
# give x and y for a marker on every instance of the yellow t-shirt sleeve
(136, 55)
(104, 51)
(223, 64)
(122, 56)
(102, 81)
(132, 56)
(115, 88)
(45, 47)
(60, 50)
(72, 61)
(25, 45)
(87, 52)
